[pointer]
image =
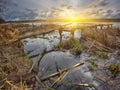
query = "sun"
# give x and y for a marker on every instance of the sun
(69, 15)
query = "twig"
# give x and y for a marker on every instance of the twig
(3, 80)
(44, 86)
(31, 68)
(100, 46)
(85, 85)
(1, 86)
(12, 85)
(62, 71)
(57, 68)
(59, 79)
(91, 45)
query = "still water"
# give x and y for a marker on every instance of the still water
(82, 74)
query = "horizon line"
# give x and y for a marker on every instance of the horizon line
(67, 20)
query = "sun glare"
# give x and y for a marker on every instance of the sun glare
(71, 15)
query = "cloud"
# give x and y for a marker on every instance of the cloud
(45, 9)
(102, 9)
(117, 10)
(116, 15)
(14, 11)
(103, 3)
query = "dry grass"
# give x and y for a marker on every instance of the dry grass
(107, 37)
(12, 86)
(7, 33)
(13, 65)
(14, 68)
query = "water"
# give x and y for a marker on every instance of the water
(82, 74)
(116, 24)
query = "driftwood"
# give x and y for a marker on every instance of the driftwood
(104, 47)
(97, 45)
(85, 85)
(61, 77)
(28, 36)
(91, 46)
(62, 71)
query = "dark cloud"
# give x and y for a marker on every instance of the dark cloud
(109, 11)
(20, 15)
(117, 15)
(102, 9)
(2, 5)
(117, 10)
(99, 4)
(103, 3)
(13, 11)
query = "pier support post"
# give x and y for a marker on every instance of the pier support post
(95, 27)
(101, 27)
(111, 25)
(72, 32)
(60, 33)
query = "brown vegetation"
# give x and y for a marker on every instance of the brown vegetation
(13, 64)
(105, 40)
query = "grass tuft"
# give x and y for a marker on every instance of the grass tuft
(71, 44)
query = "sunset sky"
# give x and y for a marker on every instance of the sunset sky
(51, 9)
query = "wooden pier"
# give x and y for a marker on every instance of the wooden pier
(82, 26)
(31, 31)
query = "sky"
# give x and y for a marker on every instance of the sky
(52, 9)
